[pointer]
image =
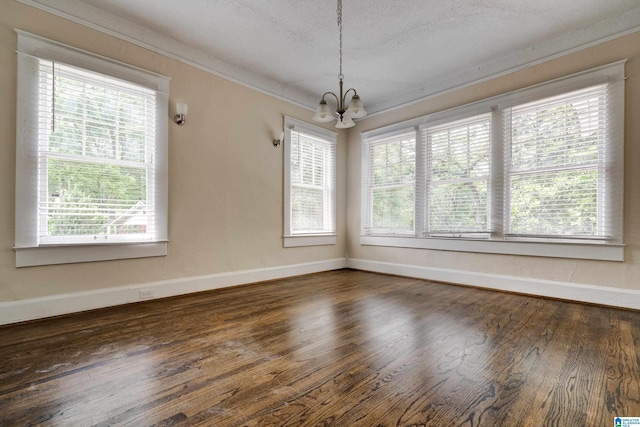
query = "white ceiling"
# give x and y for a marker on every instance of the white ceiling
(395, 51)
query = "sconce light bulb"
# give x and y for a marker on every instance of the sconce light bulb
(278, 141)
(181, 108)
(181, 113)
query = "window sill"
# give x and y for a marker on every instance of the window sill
(575, 250)
(309, 240)
(50, 255)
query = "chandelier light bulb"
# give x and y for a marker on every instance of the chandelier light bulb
(356, 109)
(345, 122)
(323, 113)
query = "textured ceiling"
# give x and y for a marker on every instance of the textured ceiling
(395, 51)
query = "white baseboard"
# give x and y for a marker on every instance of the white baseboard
(37, 308)
(54, 305)
(616, 297)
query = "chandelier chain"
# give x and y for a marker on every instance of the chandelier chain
(343, 112)
(340, 76)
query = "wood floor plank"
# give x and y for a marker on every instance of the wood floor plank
(342, 348)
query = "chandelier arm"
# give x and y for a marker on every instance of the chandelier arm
(334, 95)
(344, 97)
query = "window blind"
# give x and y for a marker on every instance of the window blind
(537, 172)
(390, 192)
(312, 181)
(96, 143)
(458, 166)
(558, 166)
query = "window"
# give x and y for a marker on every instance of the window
(91, 165)
(534, 172)
(389, 198)
(458, 156)
(310, 185)
(557, 166)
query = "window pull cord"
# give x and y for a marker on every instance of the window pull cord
(53, 98)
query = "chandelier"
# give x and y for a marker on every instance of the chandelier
(354, 110)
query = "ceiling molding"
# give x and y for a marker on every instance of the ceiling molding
(563, 44)
(505, 72)
(158, 43)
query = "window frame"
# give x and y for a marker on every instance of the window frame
(292, 238)
(368, 190)
(29, 250)
(497, 242)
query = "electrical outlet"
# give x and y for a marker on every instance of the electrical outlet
(146, 293)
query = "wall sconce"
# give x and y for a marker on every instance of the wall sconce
(276, 142)
(181, 113)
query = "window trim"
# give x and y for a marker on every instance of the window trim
(498, 243)
(593, 251)
(291, 239)
(28, 251)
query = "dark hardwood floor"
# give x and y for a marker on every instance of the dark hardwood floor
(342, 348)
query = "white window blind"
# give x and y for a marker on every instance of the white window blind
(538, 172)
(558, 166)
(312, 181)
(91, 156)
(390, 184)
(96, 138)
(458, 176)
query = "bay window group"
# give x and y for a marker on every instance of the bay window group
(540, 165)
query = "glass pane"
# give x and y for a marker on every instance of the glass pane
(459, 162)
(458, 207)
(87, 198)
(461, 151)
(95, 121)
(393, 163)
(309, 160)
(555, 203)
(393, 209)
(307, 209)
(558, 132)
